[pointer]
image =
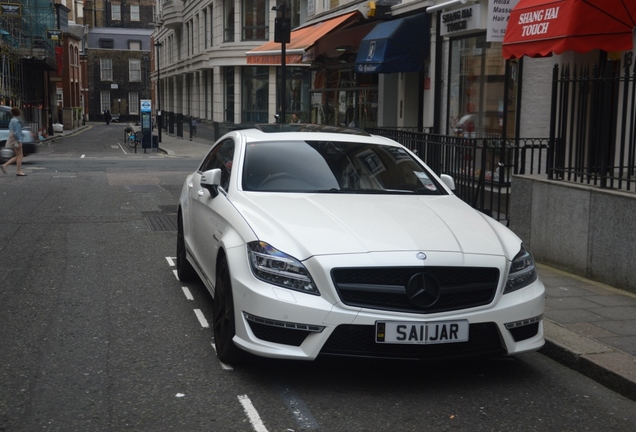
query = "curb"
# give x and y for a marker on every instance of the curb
(605, 365)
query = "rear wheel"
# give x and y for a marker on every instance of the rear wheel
(224, 324)
(185, 271)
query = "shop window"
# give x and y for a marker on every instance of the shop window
(254, 91)
(298, 83)
(477, 80)
(255, 19)
(228, 13)
(340, 97)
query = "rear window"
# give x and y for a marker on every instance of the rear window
(335, 167)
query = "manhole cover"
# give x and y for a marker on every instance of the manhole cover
(162, 222)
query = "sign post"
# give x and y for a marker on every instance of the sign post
(146, 123)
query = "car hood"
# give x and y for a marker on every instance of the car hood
(307, 225)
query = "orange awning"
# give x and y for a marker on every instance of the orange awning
(538, 28)
(300, 41)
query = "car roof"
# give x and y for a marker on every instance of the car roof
(309, 132)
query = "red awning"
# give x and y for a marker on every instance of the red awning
(300, 41)
(538, 28)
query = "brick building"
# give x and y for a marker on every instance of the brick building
(118, 56)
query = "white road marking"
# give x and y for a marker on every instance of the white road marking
(176, 275)
(201, 317)
(223, 365)
(252, 414)
(171, 262)
(82, 156)
(187, 293)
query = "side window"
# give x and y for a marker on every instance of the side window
(222, 156)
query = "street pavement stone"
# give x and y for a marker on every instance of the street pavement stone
(588, 326)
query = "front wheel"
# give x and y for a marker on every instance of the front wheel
(224, 324)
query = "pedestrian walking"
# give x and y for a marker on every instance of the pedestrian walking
(193, 128)
(15, 141)
(107, 116)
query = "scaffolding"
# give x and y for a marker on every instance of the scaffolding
(25, 50)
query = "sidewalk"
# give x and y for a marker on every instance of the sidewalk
(589, 327)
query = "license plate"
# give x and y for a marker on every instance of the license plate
(407, 332)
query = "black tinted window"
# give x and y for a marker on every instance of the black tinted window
(336, 167)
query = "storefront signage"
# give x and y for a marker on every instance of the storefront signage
(461, 20)
(10, 10)
(498, 16)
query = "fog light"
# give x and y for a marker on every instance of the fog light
(524, 322)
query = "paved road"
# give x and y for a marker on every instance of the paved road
(99, 335)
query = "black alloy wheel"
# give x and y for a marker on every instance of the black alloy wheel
(224, 325)
(185, 271)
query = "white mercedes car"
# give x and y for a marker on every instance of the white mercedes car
(317, 241)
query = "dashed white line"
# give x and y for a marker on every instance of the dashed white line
(187, 293)
(82, 156)
(171, 262)
(252, 414)
(201, 318)
(176, 275)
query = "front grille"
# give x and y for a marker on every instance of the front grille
(386, 288)
(281, 335)
(359, 340)
(524, 332)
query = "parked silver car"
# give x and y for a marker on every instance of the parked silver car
(29, 143)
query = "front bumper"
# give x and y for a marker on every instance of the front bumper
(280, 323)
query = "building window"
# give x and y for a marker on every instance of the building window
(228, 13)
(255, 20)
(134, 12)
(105, 100)
(134, 70)
(255, 84)
(133, 103)
(60, 97)
(106, 69)
(134, 45)
(115, 12)
(106, 43)
(229, 94)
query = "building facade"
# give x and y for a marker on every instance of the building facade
(118, 56)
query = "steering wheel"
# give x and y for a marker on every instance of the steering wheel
(275, 177)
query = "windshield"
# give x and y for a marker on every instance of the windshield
(334, 167)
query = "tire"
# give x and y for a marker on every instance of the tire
(185, 271)
(224, 323)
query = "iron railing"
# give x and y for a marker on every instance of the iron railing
(593, 124)
(481, 167)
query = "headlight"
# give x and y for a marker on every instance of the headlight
(522, 271)
(273, 266)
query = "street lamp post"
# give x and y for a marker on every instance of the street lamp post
(159, 125)
(119, 107)
(282, 32)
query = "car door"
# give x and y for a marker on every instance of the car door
(209, 213)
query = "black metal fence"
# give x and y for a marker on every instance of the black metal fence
(481, 167)
(593, 124)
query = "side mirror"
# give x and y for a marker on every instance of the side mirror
(448, 181)
(210, 180)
